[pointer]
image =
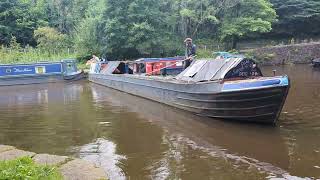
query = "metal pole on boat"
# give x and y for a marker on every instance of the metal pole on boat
(274, 72)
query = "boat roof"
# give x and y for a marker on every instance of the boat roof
(112, 66)
(31, 64)
(210, 70)
(41, 62)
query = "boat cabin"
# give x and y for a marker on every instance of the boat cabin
(220, 69)
(64, 67)
(161, 66)
(198, 71)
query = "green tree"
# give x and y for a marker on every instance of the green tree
(297, 18)
(246, 18)
(64, 15)
(133, 27)
(19, 18)
(190, 17)
(88, 32)
(50, 40)
(14, 45)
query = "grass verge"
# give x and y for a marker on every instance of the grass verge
(31, 55)
(25, 168)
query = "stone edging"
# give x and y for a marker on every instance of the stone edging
(70, 168)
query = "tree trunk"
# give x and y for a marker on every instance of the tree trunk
(234, 42)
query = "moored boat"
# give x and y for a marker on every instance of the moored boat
(43, 72)
(232, 89)
(316, 63)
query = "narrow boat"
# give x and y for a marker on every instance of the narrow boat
(43, 72)
(231, 89)
(316, 63)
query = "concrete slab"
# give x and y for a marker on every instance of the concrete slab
(47, 159)
(14, 154)
(79, 169)
(5, 148)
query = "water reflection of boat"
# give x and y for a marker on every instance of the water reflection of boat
(257, 146)
(22, 74)
(39, 94)
(222, 88)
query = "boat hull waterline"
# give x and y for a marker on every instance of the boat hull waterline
(259, 100)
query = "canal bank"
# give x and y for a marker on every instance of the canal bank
(302, 53)
(70, 168)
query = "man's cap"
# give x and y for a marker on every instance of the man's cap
(188, 40)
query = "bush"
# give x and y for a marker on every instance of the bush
(25, 168)
(50, 40)
(204, 53)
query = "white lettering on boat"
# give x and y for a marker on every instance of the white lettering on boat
(17, 70)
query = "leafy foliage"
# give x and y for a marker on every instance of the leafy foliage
(19, 18)
(130, 29)
(297, 17)
(133, 28)
(247, 18)
(24, 168)
(50, 39)
(87, 38)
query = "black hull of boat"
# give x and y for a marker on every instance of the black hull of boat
(316, 63)
(39, 79)
(261, 105)
(75, 77)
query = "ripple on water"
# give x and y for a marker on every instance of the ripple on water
(173, 162)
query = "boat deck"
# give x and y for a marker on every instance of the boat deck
(173, 80)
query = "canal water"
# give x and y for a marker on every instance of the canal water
(134, 138)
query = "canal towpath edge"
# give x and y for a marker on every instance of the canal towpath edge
(70, 168)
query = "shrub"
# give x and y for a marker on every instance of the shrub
(25, 168)
(203, 53)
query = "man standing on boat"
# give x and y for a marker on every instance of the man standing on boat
(190, 52)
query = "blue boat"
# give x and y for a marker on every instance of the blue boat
(232, 89)
(42, 72)
(226, 55)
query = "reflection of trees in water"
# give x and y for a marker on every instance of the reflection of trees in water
(47, 118)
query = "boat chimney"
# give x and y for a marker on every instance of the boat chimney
(274, 72)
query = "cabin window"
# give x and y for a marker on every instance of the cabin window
(70, 67)
(40, 69)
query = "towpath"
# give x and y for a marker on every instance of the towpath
(70, 168)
